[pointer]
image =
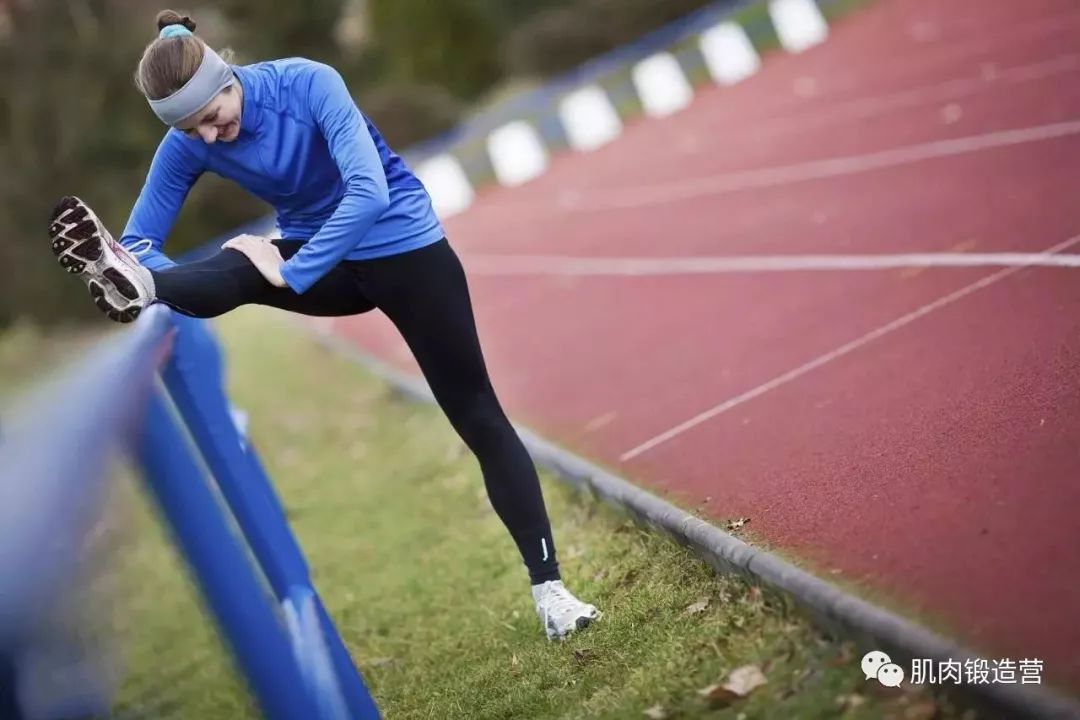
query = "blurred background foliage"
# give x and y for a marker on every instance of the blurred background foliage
(72, 121)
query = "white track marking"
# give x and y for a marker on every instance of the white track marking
(624, 266)
(732, 182)
(832, 355)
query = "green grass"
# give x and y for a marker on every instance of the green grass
(428, 590)
(27, 354)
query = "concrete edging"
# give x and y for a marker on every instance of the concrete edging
(838, 611)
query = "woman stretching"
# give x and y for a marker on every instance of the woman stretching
(359, 233)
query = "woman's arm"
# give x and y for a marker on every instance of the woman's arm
(366, 193)
(173, 171)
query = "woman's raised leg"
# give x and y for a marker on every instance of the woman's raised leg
(121, 287)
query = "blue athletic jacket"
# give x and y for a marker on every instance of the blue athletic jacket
(306, 149)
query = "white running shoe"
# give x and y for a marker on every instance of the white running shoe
(120, 285)
(560, 612)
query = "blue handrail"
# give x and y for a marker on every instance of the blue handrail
(54, 452)
(54, 455)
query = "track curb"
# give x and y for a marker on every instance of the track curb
(837, 611)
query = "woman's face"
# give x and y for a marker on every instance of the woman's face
(219, 120)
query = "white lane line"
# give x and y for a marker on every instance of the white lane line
(919, 60)
(639, 266)
(991, 78)
(724, 183)
(832, 355)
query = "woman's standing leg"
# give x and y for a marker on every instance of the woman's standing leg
(425, 294)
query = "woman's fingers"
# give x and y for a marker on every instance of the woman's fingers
(249, 248)
(241, 241)
(262, 253)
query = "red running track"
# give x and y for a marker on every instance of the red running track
(914, 433)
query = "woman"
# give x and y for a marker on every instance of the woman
(360, 234)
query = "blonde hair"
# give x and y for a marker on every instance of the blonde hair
(168, 63)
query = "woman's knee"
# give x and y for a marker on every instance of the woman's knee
(479, 419)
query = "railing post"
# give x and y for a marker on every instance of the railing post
(233, 592)
(194, 378)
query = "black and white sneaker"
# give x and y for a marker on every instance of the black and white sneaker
(120, 285)
(560, 612)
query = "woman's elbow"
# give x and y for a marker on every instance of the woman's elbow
(382, 198)
(375, 195)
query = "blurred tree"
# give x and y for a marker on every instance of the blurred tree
(564, 35)
(508, 14)
(72, 121)
(451, 44)
(408, 113)
(554, 41)
(267, 30)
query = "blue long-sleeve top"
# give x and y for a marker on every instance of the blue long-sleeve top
(306, 149)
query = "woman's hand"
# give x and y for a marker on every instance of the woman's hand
(263, 254)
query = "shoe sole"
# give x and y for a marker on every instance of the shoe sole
(579, 624)
(82, 250)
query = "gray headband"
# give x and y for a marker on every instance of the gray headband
(213, 76)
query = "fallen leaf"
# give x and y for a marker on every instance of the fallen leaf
(739, 683)
(698, 607)
(582, 655)
(744, 680)
(845, 657)
(656, 712)
(718, 695)
(737, 524)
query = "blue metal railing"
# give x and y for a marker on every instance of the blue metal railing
(54, 457)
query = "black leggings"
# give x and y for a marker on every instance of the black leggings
(425, 295)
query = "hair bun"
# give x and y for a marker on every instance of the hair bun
(165, 18)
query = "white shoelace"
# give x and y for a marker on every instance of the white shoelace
(138, 248)
(557, 600)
